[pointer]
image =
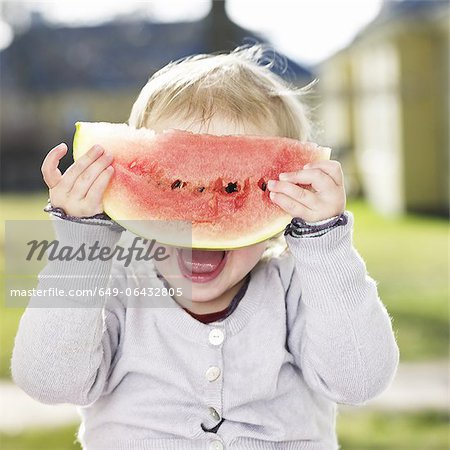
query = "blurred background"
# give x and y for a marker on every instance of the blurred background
(381, 102)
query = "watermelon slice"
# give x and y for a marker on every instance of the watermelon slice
(216, 185)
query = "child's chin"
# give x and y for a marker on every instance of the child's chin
(204, 295)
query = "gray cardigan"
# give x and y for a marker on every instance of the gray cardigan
(310, 332)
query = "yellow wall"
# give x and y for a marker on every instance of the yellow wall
(425, 93)
(387, 97)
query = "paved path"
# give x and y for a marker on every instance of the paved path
(417, 386)
(18, 411)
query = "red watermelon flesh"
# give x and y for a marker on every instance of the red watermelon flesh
(216, 184)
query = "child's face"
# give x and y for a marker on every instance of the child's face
(206, 275)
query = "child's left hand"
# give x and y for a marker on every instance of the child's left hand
(327, 200)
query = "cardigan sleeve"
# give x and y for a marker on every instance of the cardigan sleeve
(339, 331)
(65, 345)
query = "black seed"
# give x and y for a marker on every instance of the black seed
(201, 189)
(262, 184)
(231, 187)
(176, 183)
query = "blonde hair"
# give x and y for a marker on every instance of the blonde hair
(238, 86)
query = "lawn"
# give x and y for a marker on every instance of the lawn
(42, 439)
(356, 431)
(408, 256)
(367, 430)
(14, 207)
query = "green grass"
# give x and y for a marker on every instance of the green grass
(45, 439)
(362, 430)
(14, 207)
(408, 256)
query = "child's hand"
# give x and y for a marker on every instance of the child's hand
(327, 200)
(79, 192)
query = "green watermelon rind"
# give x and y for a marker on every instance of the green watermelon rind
(204, 244)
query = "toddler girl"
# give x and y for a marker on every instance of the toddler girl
(258, 350)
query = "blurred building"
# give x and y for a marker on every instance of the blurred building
(385, 107)
(52, 77)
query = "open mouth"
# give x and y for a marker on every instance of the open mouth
(201, 266)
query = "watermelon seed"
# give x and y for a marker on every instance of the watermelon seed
(132, 164)
(201, 189)
(262, 184)
(176, 183)
(231, 187)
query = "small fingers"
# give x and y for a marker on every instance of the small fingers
(332, 168)
(85, 180)
(96, 191)
(78, 167)
(288, 204)
(318, 179)
(50, 172)
(297, 193)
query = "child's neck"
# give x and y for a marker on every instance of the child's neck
(218, 304)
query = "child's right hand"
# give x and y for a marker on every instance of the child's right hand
(79, 192)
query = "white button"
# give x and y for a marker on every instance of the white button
(216, 445)
(216, 336)
(214, 414)
(212, 373)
